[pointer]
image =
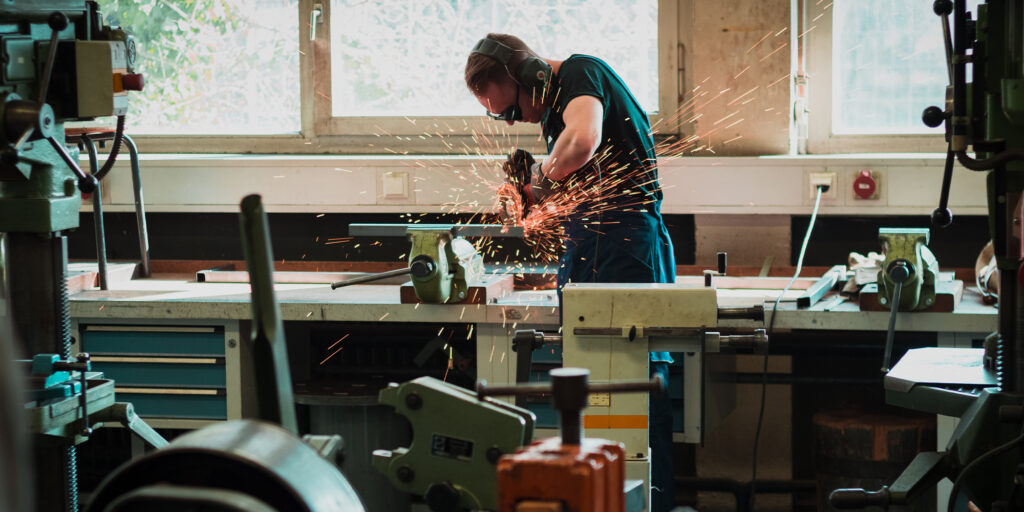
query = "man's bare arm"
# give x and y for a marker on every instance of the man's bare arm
(579, 140)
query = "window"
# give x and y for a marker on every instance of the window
(399, 71)
(199, 57)
(873, 66)
(415, 68)
(335, 76)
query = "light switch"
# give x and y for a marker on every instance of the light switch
(395, 185)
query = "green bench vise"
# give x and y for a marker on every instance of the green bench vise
(907, 261)
(457, 440)
(442, 263)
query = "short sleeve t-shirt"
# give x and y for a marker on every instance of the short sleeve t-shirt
(627, 146)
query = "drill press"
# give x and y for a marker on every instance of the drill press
(61, 64)
(982, 387)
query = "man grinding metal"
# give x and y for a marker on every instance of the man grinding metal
(596, 133)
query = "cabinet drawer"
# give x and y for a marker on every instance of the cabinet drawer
(139, 339)
(208, 404)
(162, 371)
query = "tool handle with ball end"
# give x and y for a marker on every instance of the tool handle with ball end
(899, 271)
(942, 216)
(372, 277)
(86, 182)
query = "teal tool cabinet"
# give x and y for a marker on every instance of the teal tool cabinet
(176, 373)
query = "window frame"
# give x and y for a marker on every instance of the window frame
(323, 134)
(819, 136)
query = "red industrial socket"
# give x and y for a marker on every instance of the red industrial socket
(864, 185)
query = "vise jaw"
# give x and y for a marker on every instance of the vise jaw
(442, 265)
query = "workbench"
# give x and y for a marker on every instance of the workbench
(179, 343)
(177, 303)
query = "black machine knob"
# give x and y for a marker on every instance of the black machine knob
(933, 116)
(10, 156)
(422, 266)
(900, 270)
(942, 217)
(442, 497)
(58, 21)
(943, 7)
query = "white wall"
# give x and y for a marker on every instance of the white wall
(908, 184)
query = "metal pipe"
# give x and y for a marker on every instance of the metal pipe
(655, 386)
(101, 236)
(988, 164)
(751, 313)
(483, 389)
(140, 208)
(97, 213)
(275, 401)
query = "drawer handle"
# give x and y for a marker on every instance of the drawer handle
(161, 360)
(168, 391)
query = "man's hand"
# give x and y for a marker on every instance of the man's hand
(519, 170)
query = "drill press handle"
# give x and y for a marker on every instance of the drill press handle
(418, 267)
(569, 390)
(845, 499)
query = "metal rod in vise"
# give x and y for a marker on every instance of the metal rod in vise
(372, 277)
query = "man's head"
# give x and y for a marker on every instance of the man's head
(508, 78)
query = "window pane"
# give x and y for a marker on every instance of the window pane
(888, 64)
(213, 66)
(408, 58)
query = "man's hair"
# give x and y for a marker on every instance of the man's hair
(482, 70)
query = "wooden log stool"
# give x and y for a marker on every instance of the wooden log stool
(857, 448)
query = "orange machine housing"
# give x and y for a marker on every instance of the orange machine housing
(548, 475)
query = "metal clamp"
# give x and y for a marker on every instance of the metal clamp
(315, 18)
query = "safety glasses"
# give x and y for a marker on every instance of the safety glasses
(512, 113)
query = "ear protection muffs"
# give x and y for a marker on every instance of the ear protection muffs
(530, 72)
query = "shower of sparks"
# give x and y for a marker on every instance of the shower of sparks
(336, 351)
(451, 363)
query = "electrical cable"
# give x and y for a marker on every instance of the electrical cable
(768, 333)
(114, 150)
(998, 450)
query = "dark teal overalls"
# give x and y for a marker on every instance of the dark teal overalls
(619, 236)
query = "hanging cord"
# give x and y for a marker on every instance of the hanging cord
(114, 150)
(771, 323)
(998, 450)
